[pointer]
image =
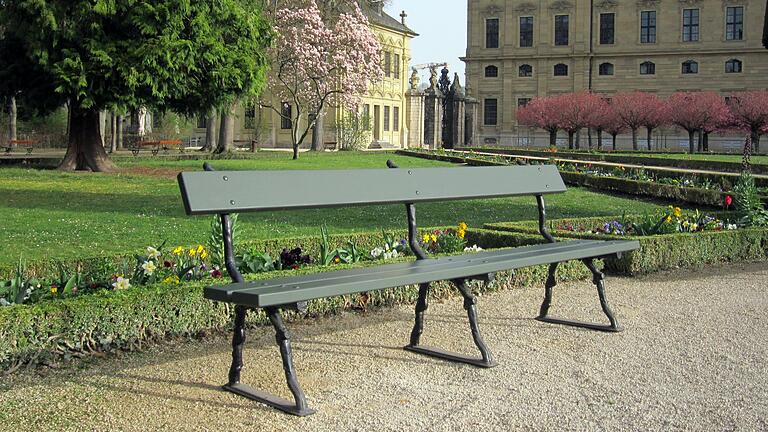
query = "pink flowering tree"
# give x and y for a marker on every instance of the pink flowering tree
(319, 60)
(575, 111)
(601, 118)
(541, 113)
(697, 111)
(655, 115)
(638, 109)
(749, 113)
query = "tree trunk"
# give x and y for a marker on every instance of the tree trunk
(599, 140)
(120, 142)
(113, 133)
(226, 131)
(318, 133)
(700, 141)
(578, 140)
(589, 138)
(85, 150)
(634, 139)
(705, 144)
(756, 142)
(613, 135)
(650, 138)
(103, 127)
(570, 140)
(691, 145)
(553, 138)
(12, 121)
(210, 131)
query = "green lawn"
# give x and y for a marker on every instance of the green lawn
(735, 158)
(49, 214)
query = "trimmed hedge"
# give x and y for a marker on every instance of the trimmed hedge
(734, 167)
(49, 331)
(661, 252)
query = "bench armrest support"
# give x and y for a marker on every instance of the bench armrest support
(413, 233)
(543, 219)
(229, 248)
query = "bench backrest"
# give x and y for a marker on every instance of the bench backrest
(244, 191)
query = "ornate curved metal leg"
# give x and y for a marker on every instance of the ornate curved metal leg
(599, 280)
(469, 305)
(551, 283)
(238, 340)
(296, 407)
(421, 306)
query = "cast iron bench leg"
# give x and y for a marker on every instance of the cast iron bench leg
(299, 406)
(470, 306)
(599, 280)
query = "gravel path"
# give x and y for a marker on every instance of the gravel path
(692, 357)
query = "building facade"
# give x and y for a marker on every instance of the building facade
(520, 49)
(385, 102)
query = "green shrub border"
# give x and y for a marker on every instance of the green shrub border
(51, 331)
(733, 167)
(661, 252)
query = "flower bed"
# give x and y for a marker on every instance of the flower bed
(690, 189)
(661, 248)
(63, 326)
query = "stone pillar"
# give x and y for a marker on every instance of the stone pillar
(414, 115)
(433, 119)
(470, 118)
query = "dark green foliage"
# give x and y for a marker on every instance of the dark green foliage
(659, 252)
(179, 54)
(748, 203)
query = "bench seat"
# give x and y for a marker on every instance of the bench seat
(281, 291)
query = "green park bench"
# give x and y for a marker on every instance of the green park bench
(213, 192)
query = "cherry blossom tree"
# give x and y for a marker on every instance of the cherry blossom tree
(697, 111)
(575, 111)
(319, 60)
(655, 115)
(541, 113)
(637, 109)
(601, 119)
(749, 113)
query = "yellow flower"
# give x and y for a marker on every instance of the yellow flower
(433, 237)
(192, 252)
(54, 289)
(203, 254)
(337, 260)
(677, 212)
(172, 280)
(462, 226)
(460, 233)
(425, 237)
(178, 251)
(200, 249)
(669, 219)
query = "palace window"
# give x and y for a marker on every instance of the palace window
(396, 70)
(202, 122)
(387, 63)
(648, 27)
(605, 69)
(492, 33)
(526, 32)
(647, 68)
(733, 66)
(734, 23)
(250, 116)
(607, 28)
(491, 71)
(690, 67)
(561, 30)
(521, 102)
(690, 25)
(367, 116)
(396, 119)
(490, 112)
(286, 116)
(386, 118)
(561, 69)
(525, 71)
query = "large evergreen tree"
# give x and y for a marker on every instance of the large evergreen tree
(184, 55)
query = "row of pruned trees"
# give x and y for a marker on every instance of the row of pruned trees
(703, 112)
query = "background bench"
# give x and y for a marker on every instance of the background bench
(156, 146)
(251, 191)
(28, 144)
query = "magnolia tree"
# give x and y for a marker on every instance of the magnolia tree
(541, 113)
(749, 113)
(697, 111)
(319, 60)
(575, 111)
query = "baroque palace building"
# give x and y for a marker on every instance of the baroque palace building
(385, 101)
(520, 49)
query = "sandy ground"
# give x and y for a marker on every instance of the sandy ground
(692, 357)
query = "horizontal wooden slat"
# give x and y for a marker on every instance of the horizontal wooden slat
(302, 288)
(243, 191)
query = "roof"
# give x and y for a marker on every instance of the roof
(371, 11)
